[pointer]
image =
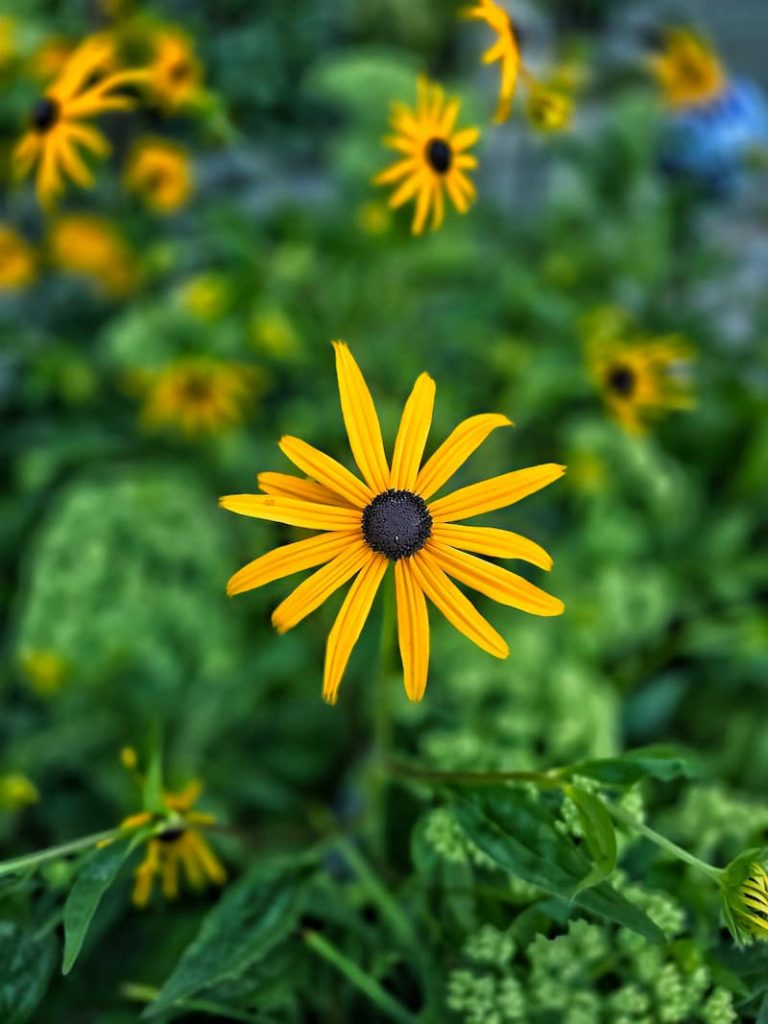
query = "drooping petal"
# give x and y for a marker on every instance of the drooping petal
(170, 872)
(412, 433)
(361, 420)
(74, 165)
(412, 629)
(349, 623)
(495, 582)
(310, 594)
(459, 611)
(486, 540)
(292, 512)
(326, 471)
(464, 139)
(283, 485)
(455, 451)
(423, 203)
(498, 492)
(289, 559)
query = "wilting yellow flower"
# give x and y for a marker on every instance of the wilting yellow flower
(197, 394)
(506, 50)
(547, 109)
(390, 516)
(45, 671)
(273, 333)
(688, 70)
(205, 296)
(84, 88)
(175, 72)
(435, 158)
(18, 263)
(89, 245)
(178, 843)
(17, 791)
(161, 173)
(750, 902)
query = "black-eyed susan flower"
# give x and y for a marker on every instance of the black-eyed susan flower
(90, 246)
(687, 70)
(18, 262)
(177, 843)
(389, 514)
(434, 157)
(175, 72)
(160, 172)
(197, 394)
(85, 88)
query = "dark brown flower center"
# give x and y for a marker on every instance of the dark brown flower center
(439, 155)
(179, 71)
(397, 524)
(621, 380)
(45, 114)
(171, 834)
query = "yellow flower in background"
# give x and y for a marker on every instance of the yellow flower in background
(197, 394)
(175, 72)
(205, 296)
(274, 334)
(90, 246)
(45, 671)
(57, 132)
(390, 515)
(7, 40)
(50, 58)
(373, 218)
(751, 902)
(18, 263)
(506, 50)
(178, 844)
(435, 158)
(548, 110)
(687, 70)
(17, 791)
(161, 173)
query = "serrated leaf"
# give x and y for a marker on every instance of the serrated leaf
(519, 833)
(96, 876)
(252, 917)
(599, 836)
(664, 763)
(26, 966)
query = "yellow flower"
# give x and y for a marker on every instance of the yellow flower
(50, 58)
(435, 156)
(175, 72)
(178, 843)
(161, 173)
(506, 50)
(391, 516)
(16, 791)
(18, 264)
(751, 902)
(83, 89)
(45, 671)
(273, 333)
(205, 296)
(687, 70)
(373, 218)
(548, 109)
(89, 245)
(197, 394)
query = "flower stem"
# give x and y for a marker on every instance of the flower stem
(33, 860)
(382, 717)
(624, 818)
(545, 780)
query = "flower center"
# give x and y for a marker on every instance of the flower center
(196, 387)
(397, 524)
(171, 834)
(45, 114)
(621, 380)
(439, 155)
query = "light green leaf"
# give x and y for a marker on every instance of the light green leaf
(26, 965)
(663, 762)
(153, 780)
(599, 836)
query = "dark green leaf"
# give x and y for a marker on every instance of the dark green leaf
(153, 780)
(658, 762)
(599, 835)
(26, 966)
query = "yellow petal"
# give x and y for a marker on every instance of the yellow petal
(464, 139)
(310, 594)
(349, 623)
(485, 540)
(361, 420)
(455, 451)
(412, 433)
(459, 611)
(326, 471)
(395, 172)
(291, 511)
(405, 192)
(412, 629)
(283, 485)
(289, 559)
(498, 492)
(495, 582)
(423, 203)
(89, 138)
(192, 867)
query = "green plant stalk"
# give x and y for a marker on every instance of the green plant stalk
(147, 994)
(33, 860)
(382, 718)
(624, 818)
(362, 981)
(545, 780)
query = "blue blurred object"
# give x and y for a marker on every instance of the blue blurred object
(711, 145)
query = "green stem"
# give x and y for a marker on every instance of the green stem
(382, 718)
(399, 922)
(544, 780)
(148, 994)
(624, 818)
(32, 860)
(359, 978)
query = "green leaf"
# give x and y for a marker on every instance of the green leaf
(251, 918)
(657, 762)
(519, 833)
(599, 836)
(97, 874)
(26, 966)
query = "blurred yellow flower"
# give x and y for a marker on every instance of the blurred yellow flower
(90, 246)
(687, 70)
(18, 263)
(548, 110)
(205, 296)
(505, 49)
(177, 844)
(17, 791)
(45, 671)
(274, 334)
(50, 58)
(373, 218)
(435, 158)
(7, 40)
(750, 902)
(197, 394)
(176, 74)
(161, 173)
